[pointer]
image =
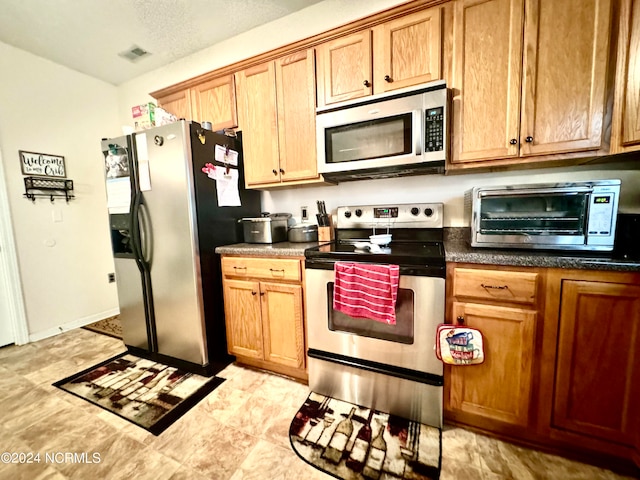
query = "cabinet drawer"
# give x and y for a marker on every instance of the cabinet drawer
(268, 268)
(517, 287)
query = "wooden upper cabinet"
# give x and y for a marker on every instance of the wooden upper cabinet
(258, 120)
(565, 63)
(407, 51)
(178, 103)
(487, 79)
(344, 68)
(296, 94)
(597, 376)
(625, 135)
(396, 54)
(276, 108)
(530, 78)
(215, 101)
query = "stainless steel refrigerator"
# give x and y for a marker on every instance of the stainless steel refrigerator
(172, 200)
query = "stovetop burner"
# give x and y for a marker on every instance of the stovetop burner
(417, 237)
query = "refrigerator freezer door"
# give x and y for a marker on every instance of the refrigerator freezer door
(131, 300)
(171, 230)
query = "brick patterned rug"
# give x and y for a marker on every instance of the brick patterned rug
(109, 326)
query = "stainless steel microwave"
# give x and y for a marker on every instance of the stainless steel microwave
(397, 133)
(562, 216)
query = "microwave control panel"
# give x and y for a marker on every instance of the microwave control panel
(434, 129)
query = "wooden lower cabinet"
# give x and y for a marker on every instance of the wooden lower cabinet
(265, 318)
(500, 388)
(498, 392)
(561, 373)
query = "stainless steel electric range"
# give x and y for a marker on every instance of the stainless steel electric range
(392, 368)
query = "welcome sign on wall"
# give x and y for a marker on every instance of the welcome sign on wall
(41, 164)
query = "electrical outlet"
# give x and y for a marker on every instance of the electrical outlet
(304, 213)
(112, 277)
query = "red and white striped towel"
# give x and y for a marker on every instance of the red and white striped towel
(366, 291)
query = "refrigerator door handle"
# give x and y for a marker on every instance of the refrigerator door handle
(146, 236)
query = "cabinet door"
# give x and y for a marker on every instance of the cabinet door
(565, 70)
(500, 388)
(296, 94)
(178, 103)
(242, 312)
(487, 75)
(344, 68)
(282, 324)
(631, 75)
(215, 101)
(407, 51)
(257, 108)
(597, 370)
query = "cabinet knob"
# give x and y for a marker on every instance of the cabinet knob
(366, 83)
(275, 172)
(254, 293)
(460, 320)
(528, 139)
(282, 171)
(387, 78)
(513, 141)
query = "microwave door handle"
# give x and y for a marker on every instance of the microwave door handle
(535, 191)
(418, 132)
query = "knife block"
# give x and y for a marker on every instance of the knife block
(325, 234)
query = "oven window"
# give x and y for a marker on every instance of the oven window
(384, 137)
(548, 214)
(401, 332)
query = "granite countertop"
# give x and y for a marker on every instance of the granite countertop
(284, 249)
(458, 249)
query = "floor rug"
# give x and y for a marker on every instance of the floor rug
(109, 326)
(356, 443)
(147, 393)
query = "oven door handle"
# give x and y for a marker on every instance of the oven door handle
(399, 372)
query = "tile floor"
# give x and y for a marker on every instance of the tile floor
(238, 432)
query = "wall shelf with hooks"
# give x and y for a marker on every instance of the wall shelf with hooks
(48, 187)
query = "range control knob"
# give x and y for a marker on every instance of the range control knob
(415, 211)
(358, 212)
(347, 214)
(428, 212)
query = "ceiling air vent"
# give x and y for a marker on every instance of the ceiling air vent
(134, 54)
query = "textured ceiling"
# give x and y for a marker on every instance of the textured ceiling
(88, 35)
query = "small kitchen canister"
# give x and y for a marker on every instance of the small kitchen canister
(303, 232)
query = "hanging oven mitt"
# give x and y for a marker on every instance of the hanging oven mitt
(459, 345)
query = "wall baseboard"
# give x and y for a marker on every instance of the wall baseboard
(80, 322)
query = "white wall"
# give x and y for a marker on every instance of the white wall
(47, 108)
(447, 189)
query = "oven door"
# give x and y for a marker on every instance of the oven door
(407, 345)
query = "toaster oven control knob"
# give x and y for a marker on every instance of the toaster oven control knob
(415, 211)
(347, 214)
(358, 212)
(428, 212)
